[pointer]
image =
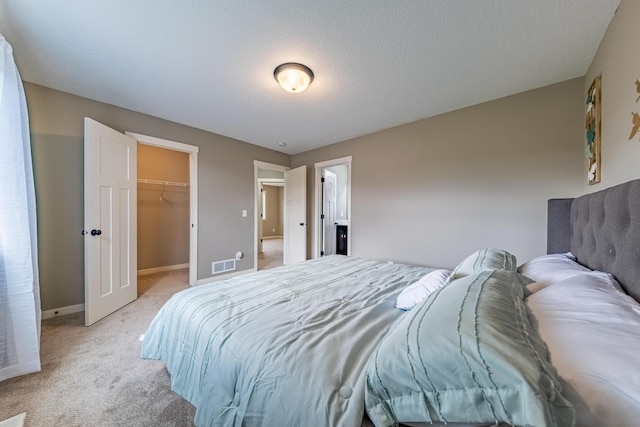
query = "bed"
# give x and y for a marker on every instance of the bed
(585, 302)
(344, 341)
(286, 346)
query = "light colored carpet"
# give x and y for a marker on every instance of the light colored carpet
(94, 376)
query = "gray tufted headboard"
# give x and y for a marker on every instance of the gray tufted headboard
(602, 230)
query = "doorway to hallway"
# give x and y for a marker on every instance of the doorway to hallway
(332, 208)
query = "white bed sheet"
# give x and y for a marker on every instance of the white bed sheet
(592, 330)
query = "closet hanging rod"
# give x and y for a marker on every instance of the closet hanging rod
(155, 181)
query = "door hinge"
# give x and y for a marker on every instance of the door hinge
(321, 253)
(322, 179)
(322, 216)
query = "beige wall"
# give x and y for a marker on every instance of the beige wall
(433, 191)
(427, 192)
(618, 61)
(163, 210)
(225, 174)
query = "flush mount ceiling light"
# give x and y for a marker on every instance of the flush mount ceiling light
(293, 77)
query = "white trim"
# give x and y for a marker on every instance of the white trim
(271, 237)
(163, 143)
(270, 166)
(317, 200)
(192, 150)
(49, 314)
(334, 162)
(257, 164)
(225, 276)
(273, 182)
(147, 271)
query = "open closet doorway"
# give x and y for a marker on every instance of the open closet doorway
(332, 212)
(270, 215)
(163, 209)
(167, 206)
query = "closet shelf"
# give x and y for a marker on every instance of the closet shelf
(155, 181)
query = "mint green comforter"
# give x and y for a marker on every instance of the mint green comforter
(282, 347)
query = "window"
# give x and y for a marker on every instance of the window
(19, 287)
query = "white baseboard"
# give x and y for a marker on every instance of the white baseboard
(224, 276)
(48, 314)
(161, 269)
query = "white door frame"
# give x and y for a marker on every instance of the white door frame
(316, 242)
(257, 165)
(192, 150)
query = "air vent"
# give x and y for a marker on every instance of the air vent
(223, 266)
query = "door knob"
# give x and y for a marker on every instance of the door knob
(95, 232)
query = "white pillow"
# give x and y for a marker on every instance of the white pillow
(549, 269)
(420, 290)
(592, 331)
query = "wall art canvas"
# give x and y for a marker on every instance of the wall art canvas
(635, 116)
(592, 128)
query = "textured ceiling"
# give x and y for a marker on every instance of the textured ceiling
(377, 63)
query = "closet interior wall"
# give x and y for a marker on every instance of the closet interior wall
(163, 209)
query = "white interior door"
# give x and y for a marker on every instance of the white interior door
(295, 215)
(110, 220)
(329, 213)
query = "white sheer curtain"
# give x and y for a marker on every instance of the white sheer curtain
(19, 288)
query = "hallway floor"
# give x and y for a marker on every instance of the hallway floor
(271, 255)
